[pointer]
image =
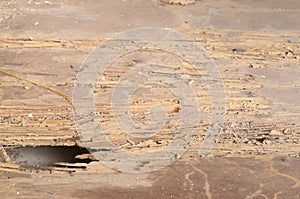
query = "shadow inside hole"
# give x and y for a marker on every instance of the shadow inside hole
(47, 155)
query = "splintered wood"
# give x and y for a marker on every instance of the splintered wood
(4, 155)
(36, 88)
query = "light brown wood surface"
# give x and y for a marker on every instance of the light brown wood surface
(257, 57)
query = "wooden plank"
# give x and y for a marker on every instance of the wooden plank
(240, 66)
(257, 152)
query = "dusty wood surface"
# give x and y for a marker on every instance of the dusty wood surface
(259, 66)
(33, 115)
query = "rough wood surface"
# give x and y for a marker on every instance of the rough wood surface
(255, 47)
(35, 115)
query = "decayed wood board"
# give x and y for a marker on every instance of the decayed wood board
(44, 43)
(33, 115)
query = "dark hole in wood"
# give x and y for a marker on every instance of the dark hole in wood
(47, 155)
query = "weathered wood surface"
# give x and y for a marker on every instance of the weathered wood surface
(257, 152)
(33, 115)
